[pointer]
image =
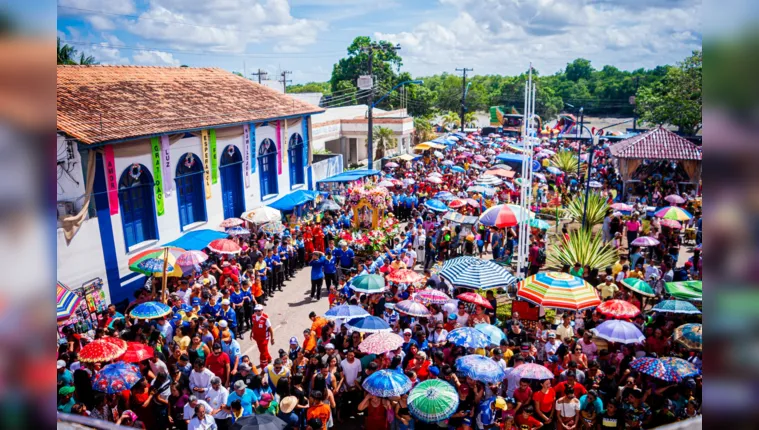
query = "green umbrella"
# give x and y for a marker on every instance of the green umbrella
(640, 287)
(433, 400)
(685, 290)
(539, 224)
(368, 284)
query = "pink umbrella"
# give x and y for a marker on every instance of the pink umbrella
(224, 246)
(434, 297)
(473, 203)
(674, 199)
(645, 241)
(191, 260)
(671, 223)
(381, 342)
(480, 158)
(621, 207)
(231, 222)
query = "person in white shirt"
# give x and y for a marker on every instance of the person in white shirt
(166, 330)
(217, 398)
(567, 409)
(351, 368)
(411, 255)
(462, 316)
(589, 348)
(157, 366)
(200, 378)
(189, 407)
(438, 336)
(552, 345)
(202, 420)
(565, 329)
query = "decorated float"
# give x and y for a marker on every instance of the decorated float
(369, 204)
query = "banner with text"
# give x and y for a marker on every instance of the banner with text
(157, 177)
(206, 149)
(246, 154)
(214, 156)
(168, 181)
(253, 148)
(111, 179)
(279, 147)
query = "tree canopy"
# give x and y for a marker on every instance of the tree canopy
(67, 54)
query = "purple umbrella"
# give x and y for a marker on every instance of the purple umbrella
(532, 371)
(619, 331)
(674, 199)
(645, 241)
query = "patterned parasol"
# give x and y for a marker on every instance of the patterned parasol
(493, 333)
(137, 352)
(532, 371)
(675, 307)
(480, 368)
(224, 246)
(115, 378)
(231, 222)
(656, 368)
(150, 311)
(405, 276)
(238, 231)
(618, 309)
(346, 312)
(683, 368)
(66, 302)
(429, 296)
(433, 400)
(468, 337)
(412, 308)
(100, 351)
(475, 298)
(387, 383)
(380, 343)
(689, 335)
(558, 290)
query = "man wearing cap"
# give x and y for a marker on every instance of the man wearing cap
(262, 334)
(65, 376)
(228, 314)
(486, 414)
(552, 345)
(231, 347)
(608, 289)
(245, 395)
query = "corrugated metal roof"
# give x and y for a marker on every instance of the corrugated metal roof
(657, 144)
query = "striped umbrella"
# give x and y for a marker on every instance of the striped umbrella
(369, 284)
(640, 287)
(405, 276)
(231, 222)
(685, 290)
(468, 337)
(433, 400)
(619, 331)
(412, 308)
(153, 253)
(387, 383)
(618, 309)
(675, 307)
(345, 312)
(380, 343)
(489, 180)
(689, 335)
(645, 241)
(476, 299)
(476, 273)
(224, 246)
(154, 267)
(370, 324)
(558, 290)
(191, 260)
(66, 302)
(429, 296)
(532, 371)
(673, 212)
(684, 369)
(493, 333)
(656, 368)
(116, 377)
(150, 311)
(504, 216)
(670, 223)
(480, 368)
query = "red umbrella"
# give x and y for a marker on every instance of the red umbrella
(121, 343)
(475, 298)
(618, 309)
(100, 351)
(224, 246)
(137, 352)
(405, 276)
(455, 204)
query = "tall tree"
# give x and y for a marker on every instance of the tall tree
(451, 120)
(579, 69)
(357, 64)
(67, 54)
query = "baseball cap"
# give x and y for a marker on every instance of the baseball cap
(225, 302)
(223, 324)
(434, 370)
(407, 330)
(195, 301)
(60, 364)
(239, 385)
(65, 391)
(525, 347)
(293, 340)
(245, 366)
(552, 335)
(258, 308)
(266, 398)
(329, 346)
(452, 317)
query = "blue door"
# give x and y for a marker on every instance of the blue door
(138, 216)
(267, 167)
(296, 160)
(190, 190)
(232, 191)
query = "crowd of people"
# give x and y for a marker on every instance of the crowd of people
(197, 377)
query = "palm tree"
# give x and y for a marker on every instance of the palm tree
(451, 120)
(586, 248)
(470, 120)
(566, 161)
(383, 140)
(423, 129)
(87, 60)
(67, 55)
(597, 208)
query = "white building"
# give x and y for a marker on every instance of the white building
(152, 153)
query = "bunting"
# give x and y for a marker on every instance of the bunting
(157, 177)
(253, 152)
(206, 150)
(111, 179)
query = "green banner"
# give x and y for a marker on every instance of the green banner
(155, 143)
(214, 157)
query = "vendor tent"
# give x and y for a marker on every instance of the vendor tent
(510, 158)
(293, 200)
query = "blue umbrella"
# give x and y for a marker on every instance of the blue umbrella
(458, 169)
(535, 165)
(445, 196)
(370, 324)
(115, 378)
(480, 368)
(238, 231)
(152, 265)
(553, 170)
(476, 273)
(346, 312)
(468, 337)
(436, 205)
(150, 311)
(493, 333)
(676, 307)
(387, 383)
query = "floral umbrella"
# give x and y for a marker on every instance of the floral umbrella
(380, 343)
(137, 352)
(412, 308)
(115, 378)
(684, 369)
(480, 368)
(433, 400)
(493, 333)
(405, 276)
(618, 309)
(238, 231)
(532, 371)
(640, 287)
(150, 311)
(468, 337)
(191, 260)
(224, 246)
(100, 351)
(689, 335)
(387, 383)
(656, 368)
(432, 297)
(231, 222)
(472, 297)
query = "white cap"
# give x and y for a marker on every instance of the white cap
(60, 364)
(223, 324)
(225, 302)
(329, 346)
(258, 308)
(407, 330)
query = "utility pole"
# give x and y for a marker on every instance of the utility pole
(260, 74)
(370, 123)
(463, 95)
(634, 103)
(285, 80)
(579, 143)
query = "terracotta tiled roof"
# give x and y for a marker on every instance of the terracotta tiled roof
(105, 103)
(657, 144)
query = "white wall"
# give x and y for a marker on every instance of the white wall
(71, 181)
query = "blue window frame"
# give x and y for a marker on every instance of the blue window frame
(191, 195)
(267, 168)
(232, 190)
(296, 160)
(137, 202)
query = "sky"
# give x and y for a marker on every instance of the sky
(308, 37)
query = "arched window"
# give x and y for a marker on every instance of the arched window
(137, 201)
(232, 191)
(190, 190)
(267, 166)
(296, 160)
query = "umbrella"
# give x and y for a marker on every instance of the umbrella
(259, 422)
(238, 231)
(445, 196)
(150, 311)
(674, 199)
(476, 166)
(519, 181)
(558, 290)
(675, 307)
(438, 154)
(433, 400)
(447, 163)
(553, 170)
(262, 215)
(492, 332)
(489, 180)
(640, 287)
(100, 350)
(595, 184)
(480, 368)
(224, 246)
(685, 290)
(386, 184)
(481, 189)
(468, 337)
(502, 166)
(472, 202)
(539, 224)
(670, 223)
(409, 181)
(434, 180)
(412, 308)
(476, 273)
(231, 222)
(370, 324)
(618, 309)
(387, 383)
(499, 172)
(153, 253)
(645, 241)
(436, 205)
(532, 371)
(455, 204)
(656, 368)
(191, 260)
(137, 352)
(392, 165)
(156, 266)
(689, 335)
(619, 331)
(369, 284)
(405, 276)
(274, 227)
(621, 207)
(474, 298)
(66, 302)
(480, 158)
(436, 174)
(344, 312)
(329, 205)
(540, 176)
(432, 297)
(380, 343)
(683, 368)
(504, 216)
(116, 377)
(673, 212)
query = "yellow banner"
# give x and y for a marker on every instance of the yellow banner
(206, 150)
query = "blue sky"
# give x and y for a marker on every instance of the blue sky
(309, 36)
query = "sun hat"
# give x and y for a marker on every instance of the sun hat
(288, 404)
(60, 364)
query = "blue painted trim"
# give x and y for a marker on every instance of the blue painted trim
(129, 277)
(100, 192)
(310, 177)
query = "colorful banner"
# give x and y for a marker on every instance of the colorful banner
(304, 127)
(168, 182)
(205, 149)
(111, 179)
(285, 144)
(157, 177)
(214, 157)
(246, 154)
(279, 147)
(253, 148)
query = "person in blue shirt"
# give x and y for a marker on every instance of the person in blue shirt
(269, 284)
(300, 247)
(330, 270)
(346, 259)
(236, 299)
(245, 395)
(211, 309)
(228, 314)
(276, 265)
(317, 274)
(284, 258)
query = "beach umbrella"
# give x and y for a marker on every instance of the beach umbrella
(436, 205)
(674, 199)
(445, 196)
(224, 246)
(154, 266)
(493, 333)
(621, 207)
(412, 308)
(99, 351)
(116, 377)
(136, 352)
(489, 180)
(231, 222)
(618, 309)
(274, 227)
(434, 180)
(689, 335)
(532, 371)
(370, 324)
(405, 276)
(683, 368)
(553, 170)
(380, 343)
(506, 215)
(262, 215)
(670, 223)
(468, 337)
(329, 205)
(480, 368)
(447, 163)
(481, 189)
(346, 312)
(392, 165)
(645, 241)
(409, 181)
(455, 204)
(639, 286)
(558, 290)
(153, 253)
(191, 260)
(656, 368)
(475, 299)
(502, 166)
(258, 422)
(619, 331)
(432, 297)
(675, 307)
(498, 172)
(685, 290)
(539, 224)
(673, 212)
(238, 231)
(433, 400)
(150, 311)
(476, 273)
(387, 383)
(595, 184)
(438, 154)
(369, 284)
(66, 302)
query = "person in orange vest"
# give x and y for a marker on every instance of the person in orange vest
(262, 334)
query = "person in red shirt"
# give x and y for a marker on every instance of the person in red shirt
(657, 343)
(525, 420)
(262, 334)
(571, 381)
(218, 363)
(545, 402)
(523, 395)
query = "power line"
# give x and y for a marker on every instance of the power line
(284, 80)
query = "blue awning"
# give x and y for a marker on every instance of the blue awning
(507, 156)
(294, 199)
(350, 176)
(196, 240)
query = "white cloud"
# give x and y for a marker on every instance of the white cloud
(99, 22)
(104, 54)
(75, 7)
(153, 57)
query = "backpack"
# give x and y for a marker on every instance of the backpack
(541, 256)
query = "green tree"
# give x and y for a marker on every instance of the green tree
(357, 64)
(67, 54)
(423, 129)
(310, 87)
(451, 120)
(383, 139)
(579, 69)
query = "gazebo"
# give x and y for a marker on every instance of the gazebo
(643, 155)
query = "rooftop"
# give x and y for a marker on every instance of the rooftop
(657, 144)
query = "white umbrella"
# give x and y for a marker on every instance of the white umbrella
(262, 215)
(489, 180)
(409, 181)
(386, 184)
(595, 184)
(438, 154)
(434, 180)
(437, 174)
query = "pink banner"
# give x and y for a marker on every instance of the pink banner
(168, 181)
(111, 179)
(279, 147)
